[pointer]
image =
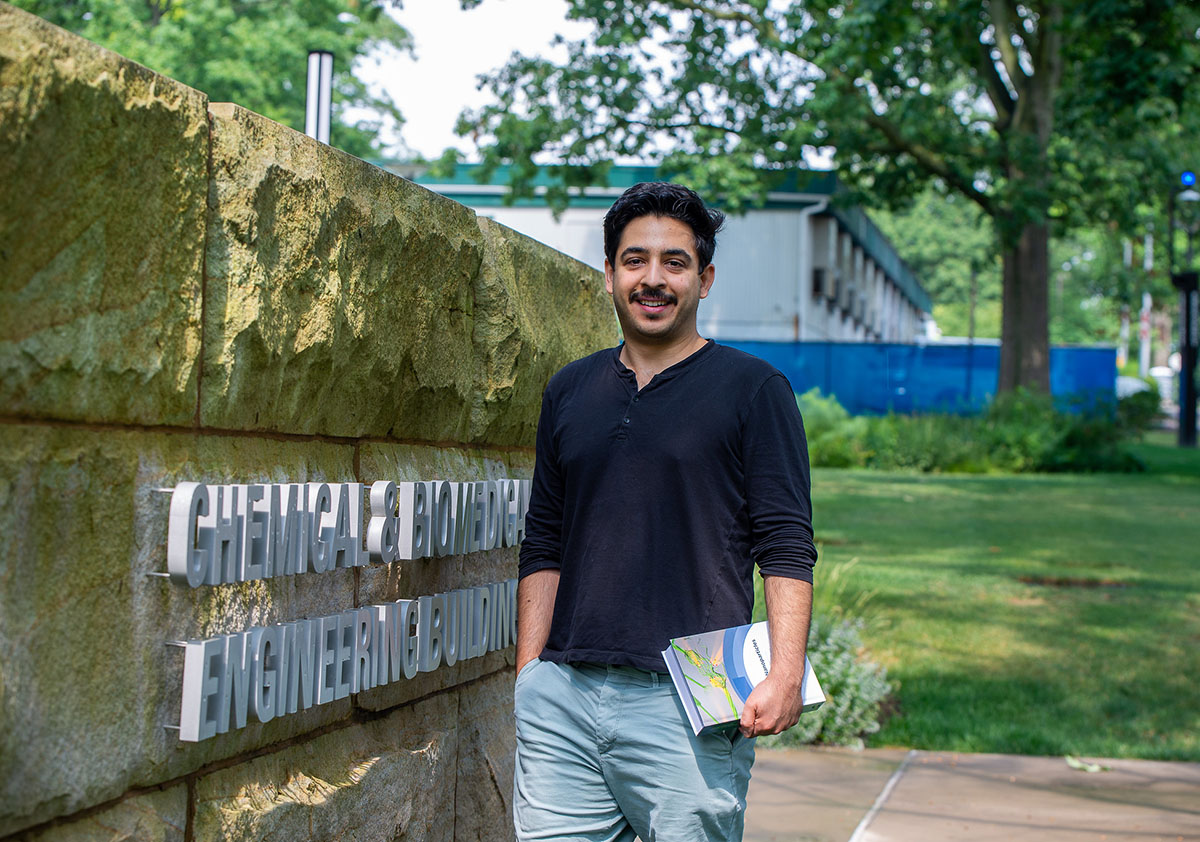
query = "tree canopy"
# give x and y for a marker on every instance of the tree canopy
(248, 52)
(1029, 111)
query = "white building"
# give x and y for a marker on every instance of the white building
(799, 268)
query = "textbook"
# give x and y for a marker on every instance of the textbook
(715, 671)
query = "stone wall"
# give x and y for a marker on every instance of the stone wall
(189, 291)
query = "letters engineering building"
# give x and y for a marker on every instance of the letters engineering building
(221, 534)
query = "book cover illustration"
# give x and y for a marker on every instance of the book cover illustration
(715, 672)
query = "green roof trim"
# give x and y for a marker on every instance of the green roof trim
(794, 189)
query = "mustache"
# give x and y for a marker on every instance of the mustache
(652, 295)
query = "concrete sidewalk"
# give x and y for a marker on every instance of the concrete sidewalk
(891, 795)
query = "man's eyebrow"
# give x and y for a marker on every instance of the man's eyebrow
(642, 251)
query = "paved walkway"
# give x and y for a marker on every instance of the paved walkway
(892, 795)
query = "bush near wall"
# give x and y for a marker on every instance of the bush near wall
(1020, 432)
(855, 688)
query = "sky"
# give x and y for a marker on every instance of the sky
(451, 48)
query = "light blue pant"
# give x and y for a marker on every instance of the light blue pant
(605, 753)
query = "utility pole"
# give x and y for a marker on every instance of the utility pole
(1188, 284)
(319, 95)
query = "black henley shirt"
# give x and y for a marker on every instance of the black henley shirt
(655, 505)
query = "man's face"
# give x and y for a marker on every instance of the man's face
(657, 282)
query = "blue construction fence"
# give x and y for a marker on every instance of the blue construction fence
(876, 378)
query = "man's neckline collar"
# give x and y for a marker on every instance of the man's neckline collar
(668, 372)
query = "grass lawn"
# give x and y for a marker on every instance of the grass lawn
(1034, 614)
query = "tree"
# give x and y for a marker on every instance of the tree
(248, 52)
(988, 99)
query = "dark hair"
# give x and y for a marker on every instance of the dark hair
(661, 198)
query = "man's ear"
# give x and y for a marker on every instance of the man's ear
(608, 277)
(706, 280)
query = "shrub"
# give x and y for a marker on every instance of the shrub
(821, 414)
(1020, 431)
(1092, 443)
(925, 443)
(844, 447)
(854, 688)
(835, 440)
(1138, 412)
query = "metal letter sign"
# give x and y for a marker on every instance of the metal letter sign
(218, 534)
(224, 533)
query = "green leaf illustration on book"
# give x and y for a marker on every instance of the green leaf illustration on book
(708, 667)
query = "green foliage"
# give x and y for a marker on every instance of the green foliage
(248, 52)
(1005, 105)
(949, 243)
(951, 246)
(835, 440)
(1032, 434)
(855, 688)
(822, 413)
(1022, 431)
(718, 89)
(925, 443)
(838, 597)
(1138, 412)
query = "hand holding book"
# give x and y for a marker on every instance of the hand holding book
(773, 707)
(716, 674)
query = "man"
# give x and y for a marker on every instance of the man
(666, 469)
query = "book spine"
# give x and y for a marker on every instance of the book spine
(689, 704)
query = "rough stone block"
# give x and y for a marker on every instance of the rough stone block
(150, 817)
(486, 753)
(345, 300)
(536, 310)
(388, 779)
(87, 680)
(339, 295)
(104, 167)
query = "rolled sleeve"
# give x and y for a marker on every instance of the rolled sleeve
(775, 455)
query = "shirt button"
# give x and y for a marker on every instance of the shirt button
(637, 398)
(626, 420)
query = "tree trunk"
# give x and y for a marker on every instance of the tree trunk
(1025, 324)
(1025, 320)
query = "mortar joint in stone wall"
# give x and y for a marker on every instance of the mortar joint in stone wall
(268, 435)
(357, 716)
